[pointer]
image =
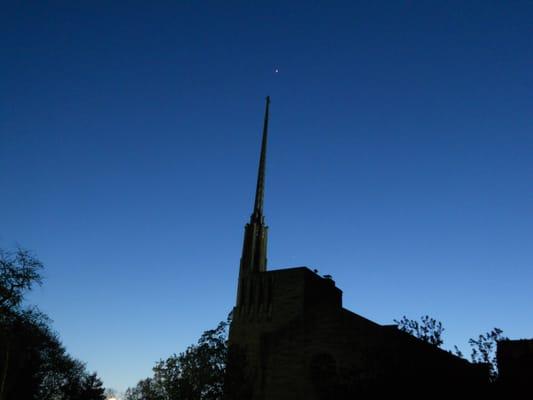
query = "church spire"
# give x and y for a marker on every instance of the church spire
(254, 249)
(260, 188)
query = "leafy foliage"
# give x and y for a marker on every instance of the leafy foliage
(428, 329)
(19, 272)
(33, 362)
(196, 374)
(146, 389)
(484, 349)
(457, 352)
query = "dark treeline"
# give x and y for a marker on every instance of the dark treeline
(34, 364)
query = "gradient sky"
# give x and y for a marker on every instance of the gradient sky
(400, 161)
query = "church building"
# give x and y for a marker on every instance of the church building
(291, 338)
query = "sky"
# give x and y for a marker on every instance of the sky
(400, 161)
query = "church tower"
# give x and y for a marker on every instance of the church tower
(291, 339)
(254, 249)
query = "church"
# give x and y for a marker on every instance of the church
(290, 337)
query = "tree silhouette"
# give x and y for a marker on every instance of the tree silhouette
(428, 329)
(484, 349)
(34, 363)
(19, 272)
(196, 374)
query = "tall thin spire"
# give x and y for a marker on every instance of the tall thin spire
(260, 188)
(254, 249)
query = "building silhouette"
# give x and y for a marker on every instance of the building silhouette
(291, 338)
(515, 364)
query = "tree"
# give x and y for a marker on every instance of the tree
(428, 329)
(40, 367)
(484, 350)
(34, 363)
(19, 272)
(195, 374)
(146, 389)
(110, 394)
(457, 352)
(90, 388)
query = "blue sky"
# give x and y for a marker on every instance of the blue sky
(400, 162)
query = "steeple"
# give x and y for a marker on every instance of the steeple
(254, 248)
(260, 188)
